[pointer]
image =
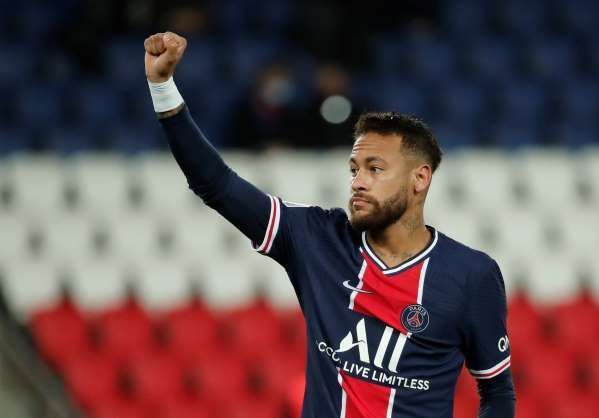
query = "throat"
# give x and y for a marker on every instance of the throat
(394, 250)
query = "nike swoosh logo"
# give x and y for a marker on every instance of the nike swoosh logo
(355, 289)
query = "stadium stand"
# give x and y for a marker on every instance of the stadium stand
(116, 322)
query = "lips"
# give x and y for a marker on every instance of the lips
(357, 199)
(358, 202)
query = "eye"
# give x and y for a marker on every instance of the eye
(353, 171)
(376, 169)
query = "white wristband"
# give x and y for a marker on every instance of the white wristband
(165, 96)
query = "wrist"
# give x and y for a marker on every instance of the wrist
(165, 95)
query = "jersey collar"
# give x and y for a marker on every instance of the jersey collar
(405, 264)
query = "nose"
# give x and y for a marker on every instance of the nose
(359, 182)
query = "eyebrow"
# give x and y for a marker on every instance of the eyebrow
(367, 160)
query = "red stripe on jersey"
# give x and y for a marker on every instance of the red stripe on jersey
(389, 295)
(272, 223)
(364, 399)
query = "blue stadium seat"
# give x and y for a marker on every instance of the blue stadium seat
(391, 55)
(463, 18)
(403, 97)
(137, 103)
(576, 134)
(580, 99)
(97, 105)
(526, 19)
(433, 60)
(72, 140)
(522, 101)
(17, 63)
(200, 63)
(240, 18)
(124, 60)
(452, 136)
(212, 107)
(463, 103)
(553, 60)
(13, 140)
(37, 19)
(579, 17)
(247, 56)
(511, 134)
(493, 60)
(41, 106)
(133, 138)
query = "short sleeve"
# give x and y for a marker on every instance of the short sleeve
(486, 346)
(292, 227)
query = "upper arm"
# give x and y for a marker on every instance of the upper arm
(486, 344)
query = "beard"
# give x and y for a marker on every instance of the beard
(382, 214)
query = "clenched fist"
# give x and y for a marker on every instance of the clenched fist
(163, 53)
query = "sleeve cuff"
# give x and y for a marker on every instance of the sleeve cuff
(492, 371)
(272, 228)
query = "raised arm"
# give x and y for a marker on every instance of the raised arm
(244, 205)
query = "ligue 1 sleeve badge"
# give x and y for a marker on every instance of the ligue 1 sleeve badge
(415, 318)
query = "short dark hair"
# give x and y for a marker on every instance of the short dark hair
(416, 136)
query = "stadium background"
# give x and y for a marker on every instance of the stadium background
(122, 296)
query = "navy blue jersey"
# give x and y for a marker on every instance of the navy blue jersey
(383, 341)
(387, 341)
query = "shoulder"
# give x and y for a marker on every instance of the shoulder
(470, 263)
(315, 214)
(315, 220)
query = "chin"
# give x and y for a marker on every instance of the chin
(359, 222)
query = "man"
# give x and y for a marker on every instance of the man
(393, 307)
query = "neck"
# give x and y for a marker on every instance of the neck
(402, 239)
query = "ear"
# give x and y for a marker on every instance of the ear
(422, 176)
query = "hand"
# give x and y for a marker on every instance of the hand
(163, 53)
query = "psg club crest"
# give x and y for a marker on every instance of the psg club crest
(415, 318)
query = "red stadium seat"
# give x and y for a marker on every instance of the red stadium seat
(293, 329)
(156, 379)
(189, 408)
(254, 328)
(192, 331)
(92, 380)
(270, 371)
(578, 323)
(249, 407)
(294, 396)
(126, 332)
(548, 374)
(219, 378)
(574, 406)
(466, 395)
(60, 333)
(527, 406)
(524, 325)
(121, 409)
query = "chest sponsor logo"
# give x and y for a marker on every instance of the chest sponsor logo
(415, 318)
(355, 289)
(384, 373)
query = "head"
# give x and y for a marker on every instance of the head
(392, 162)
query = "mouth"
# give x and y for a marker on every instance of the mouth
(358, 203)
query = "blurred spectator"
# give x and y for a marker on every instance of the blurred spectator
(331, 113)
(268, 115)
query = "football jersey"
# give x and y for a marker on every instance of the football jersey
(387, 341)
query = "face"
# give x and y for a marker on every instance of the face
(384, 181)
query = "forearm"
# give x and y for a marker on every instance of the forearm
(206, 172)
(497, 397)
